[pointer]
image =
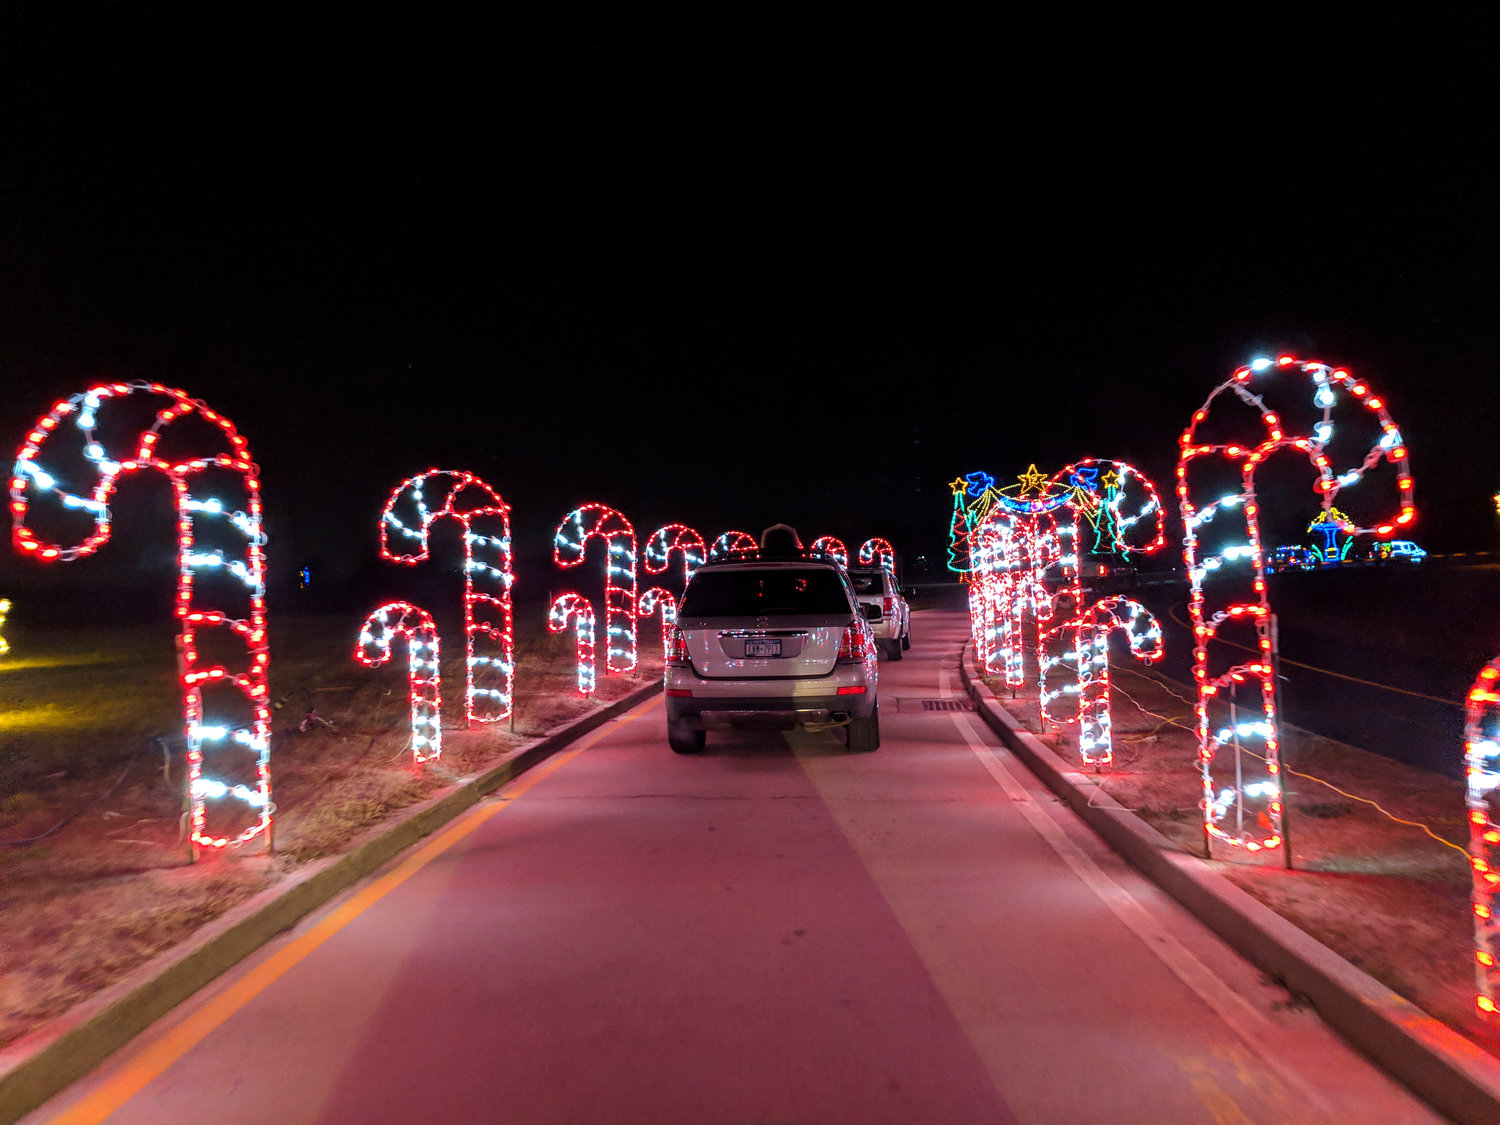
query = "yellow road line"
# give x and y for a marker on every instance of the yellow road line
(156, 1058)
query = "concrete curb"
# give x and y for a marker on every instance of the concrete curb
(39, 1066)
(1436, 1063)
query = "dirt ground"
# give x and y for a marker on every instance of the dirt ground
(1385, 895)
(94, 870)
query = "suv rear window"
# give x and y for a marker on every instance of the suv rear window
(763, 593)
(867, 581)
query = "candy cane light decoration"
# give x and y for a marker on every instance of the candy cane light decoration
(1075, 669)
(872, 550)
(423, 678)
(661, 602)
(1482, 772)
(581, 611)
(833, 547)
(569, 544)
(679, 539)
(219, 542)
(734, 543)
(1226, 565)
(489, 619)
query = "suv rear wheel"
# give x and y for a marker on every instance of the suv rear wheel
(864, 734)
(683, 739)
(893, 649)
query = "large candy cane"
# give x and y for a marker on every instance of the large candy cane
(581, 610)
(1075, 669)
(872, 549)
(1482, 768)
(679, 538)
(661, 602)
(833, 548)
(489, 621)
(423, 678)
(734, 543)
(1222, 548)
(568, 548)
(218, 536)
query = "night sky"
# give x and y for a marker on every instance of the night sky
(731, 281)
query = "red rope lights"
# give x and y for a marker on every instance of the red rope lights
(489, 620)
(1226, 566)
(219, 533)
(423, 678)
(568, 548)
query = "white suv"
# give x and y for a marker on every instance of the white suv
(771, 644)
(883, 607)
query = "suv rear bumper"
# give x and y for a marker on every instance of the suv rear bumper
(770, 713)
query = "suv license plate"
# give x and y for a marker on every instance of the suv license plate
(763, 648)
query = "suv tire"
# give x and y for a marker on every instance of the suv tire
(683, 739)
(864, 734)
(906, 637)
(893, 649)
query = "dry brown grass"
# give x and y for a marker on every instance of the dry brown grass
(105, 883)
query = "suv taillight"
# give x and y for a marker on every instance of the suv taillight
(889, 605)
(852, 644)
(677, 649)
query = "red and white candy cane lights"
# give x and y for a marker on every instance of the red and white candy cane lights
(872, 549)
(661, 602)
(581, 611)
(1075, 669)
(423, 678)
(1482, 772)
(734, 543)
(219, 533)
(679, 539)
(489, 620)
(569, 544)
(1222, 548)
(832, 547)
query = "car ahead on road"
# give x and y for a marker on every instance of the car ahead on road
(1106, 576)
(1291, 558)
(884, 607)
(1398, 550)
(771, 644)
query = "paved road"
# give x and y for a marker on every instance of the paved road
(777, 931)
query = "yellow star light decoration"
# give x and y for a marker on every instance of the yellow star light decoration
(1110, 479)
(957, 485)
(1031, 480)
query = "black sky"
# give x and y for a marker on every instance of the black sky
(726, 282)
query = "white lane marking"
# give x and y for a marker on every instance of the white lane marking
(1236, 1012)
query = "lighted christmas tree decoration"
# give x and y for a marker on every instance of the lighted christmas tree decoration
(424, 680)
(489, 620)
(678, 538)
(1119, 502)
(4, 613)
(1074, 658)
(219, 553)
(661, 602)
(581, 611)
(973, 496)
(734, 543)
(832, 547)
(1226, 564)
(568, 547)
(872, 549)
(1482, 770)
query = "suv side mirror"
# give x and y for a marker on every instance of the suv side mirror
(908, 592)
